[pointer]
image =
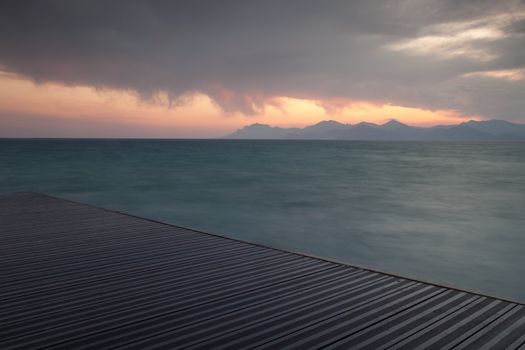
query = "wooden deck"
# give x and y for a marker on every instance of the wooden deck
(74, 277)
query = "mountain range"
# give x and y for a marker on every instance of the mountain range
(392, 130)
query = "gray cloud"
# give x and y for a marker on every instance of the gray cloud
(242, 52)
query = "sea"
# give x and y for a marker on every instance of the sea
(449, 213)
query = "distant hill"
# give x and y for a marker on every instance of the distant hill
(328, 129)
(393, 130)
(262, 131)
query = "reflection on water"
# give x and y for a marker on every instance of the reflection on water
(452, 213)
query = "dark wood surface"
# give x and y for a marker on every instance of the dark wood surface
(74, 277)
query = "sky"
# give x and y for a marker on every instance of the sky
(203, 68)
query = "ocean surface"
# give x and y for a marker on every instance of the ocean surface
(451, 213)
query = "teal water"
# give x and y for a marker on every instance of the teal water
(450, 213)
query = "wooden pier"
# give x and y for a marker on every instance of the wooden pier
(78, 277)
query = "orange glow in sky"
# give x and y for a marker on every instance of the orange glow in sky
(54, 110)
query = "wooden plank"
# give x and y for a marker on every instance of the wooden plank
(75, 276)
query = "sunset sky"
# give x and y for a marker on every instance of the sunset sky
(205, 68)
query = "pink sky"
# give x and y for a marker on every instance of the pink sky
(55, 110)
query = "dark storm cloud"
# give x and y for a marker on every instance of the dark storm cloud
(243, 52)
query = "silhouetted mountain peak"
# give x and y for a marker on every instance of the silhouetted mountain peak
(496, 127)
(391, 130)
(257, 125)
(328, 123)
(492, 122)
(393, 123)
(365, 124)
(260, 131)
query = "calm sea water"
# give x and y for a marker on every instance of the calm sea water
(451, 213)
